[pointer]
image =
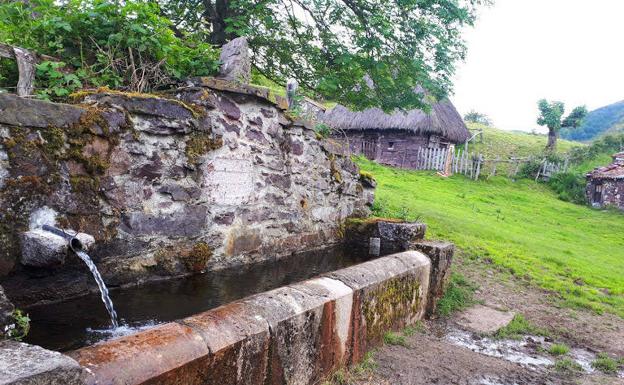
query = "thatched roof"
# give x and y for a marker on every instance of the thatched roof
(443, 120)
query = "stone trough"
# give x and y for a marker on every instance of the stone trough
(296, 334)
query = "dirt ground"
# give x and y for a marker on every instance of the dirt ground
(429, 358)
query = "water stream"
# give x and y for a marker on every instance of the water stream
(103, 289)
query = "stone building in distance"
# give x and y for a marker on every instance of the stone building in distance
(605, 185)
(397, 139)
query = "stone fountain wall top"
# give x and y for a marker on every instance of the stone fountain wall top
(207, 176)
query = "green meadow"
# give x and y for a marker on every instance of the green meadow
(575, 252)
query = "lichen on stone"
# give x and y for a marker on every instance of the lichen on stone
(200, 144)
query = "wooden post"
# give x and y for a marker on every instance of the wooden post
(26, 67)
(479, 160)
(493, 173)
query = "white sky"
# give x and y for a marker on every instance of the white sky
(523, 50)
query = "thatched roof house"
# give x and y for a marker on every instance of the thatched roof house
(605, 185)
(395, 139)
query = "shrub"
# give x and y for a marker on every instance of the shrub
(569, 187)
(121, 45)
(529, 169)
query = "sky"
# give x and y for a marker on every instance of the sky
(523, 50)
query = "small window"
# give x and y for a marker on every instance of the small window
(390, 145)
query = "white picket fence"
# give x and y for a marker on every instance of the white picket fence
(448, 161)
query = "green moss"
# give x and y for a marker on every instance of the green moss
(198, 257)
(200, 144)
(334, 169)
(394, 300)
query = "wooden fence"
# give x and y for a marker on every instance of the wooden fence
(473, 165)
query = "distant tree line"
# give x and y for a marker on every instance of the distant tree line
(477, 117)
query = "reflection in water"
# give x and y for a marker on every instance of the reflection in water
(82, 321)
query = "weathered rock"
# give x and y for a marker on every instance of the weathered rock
(187, 222)
(484, 320)
(16, 111)
(235, 61)
(23, 364)
(6, 310)
(43, 249)
(441, 255)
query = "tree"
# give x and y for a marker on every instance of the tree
(550, 116)
(477, 117)
(362, 53)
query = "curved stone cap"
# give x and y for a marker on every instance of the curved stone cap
(296, 334)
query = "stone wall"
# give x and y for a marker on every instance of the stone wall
(612, 193)
(207, 176)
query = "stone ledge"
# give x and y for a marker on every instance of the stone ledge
(22, 364)
(297, 334)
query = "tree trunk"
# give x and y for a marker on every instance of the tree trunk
(217, 13)
(552, 140)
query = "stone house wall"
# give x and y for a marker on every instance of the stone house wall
(397, 148)
(207, 176)
(612, 192)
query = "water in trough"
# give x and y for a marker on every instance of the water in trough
(83, 321)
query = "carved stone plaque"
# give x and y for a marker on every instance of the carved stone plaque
(229, 181)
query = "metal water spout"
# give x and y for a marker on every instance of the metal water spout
(78, 247)
(74, 243)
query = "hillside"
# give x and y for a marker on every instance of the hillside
(604, 120)
(504, 144)
(570, 250)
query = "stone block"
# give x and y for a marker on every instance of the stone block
(441, 255)
(189, 221)
(238, 340)
(235, 61)
(42, 249)
(166, 354)
(394, 236)
(23, 364)
(16, 111)
(295, 319)
(389, 294)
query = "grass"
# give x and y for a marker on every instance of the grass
(517, 328)
(345, 377)
(574, 252)
(392, 338)
(504, 144)
(567, 365)
(416, 328)
(606, 364)
(458, 295)
(558, 349)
